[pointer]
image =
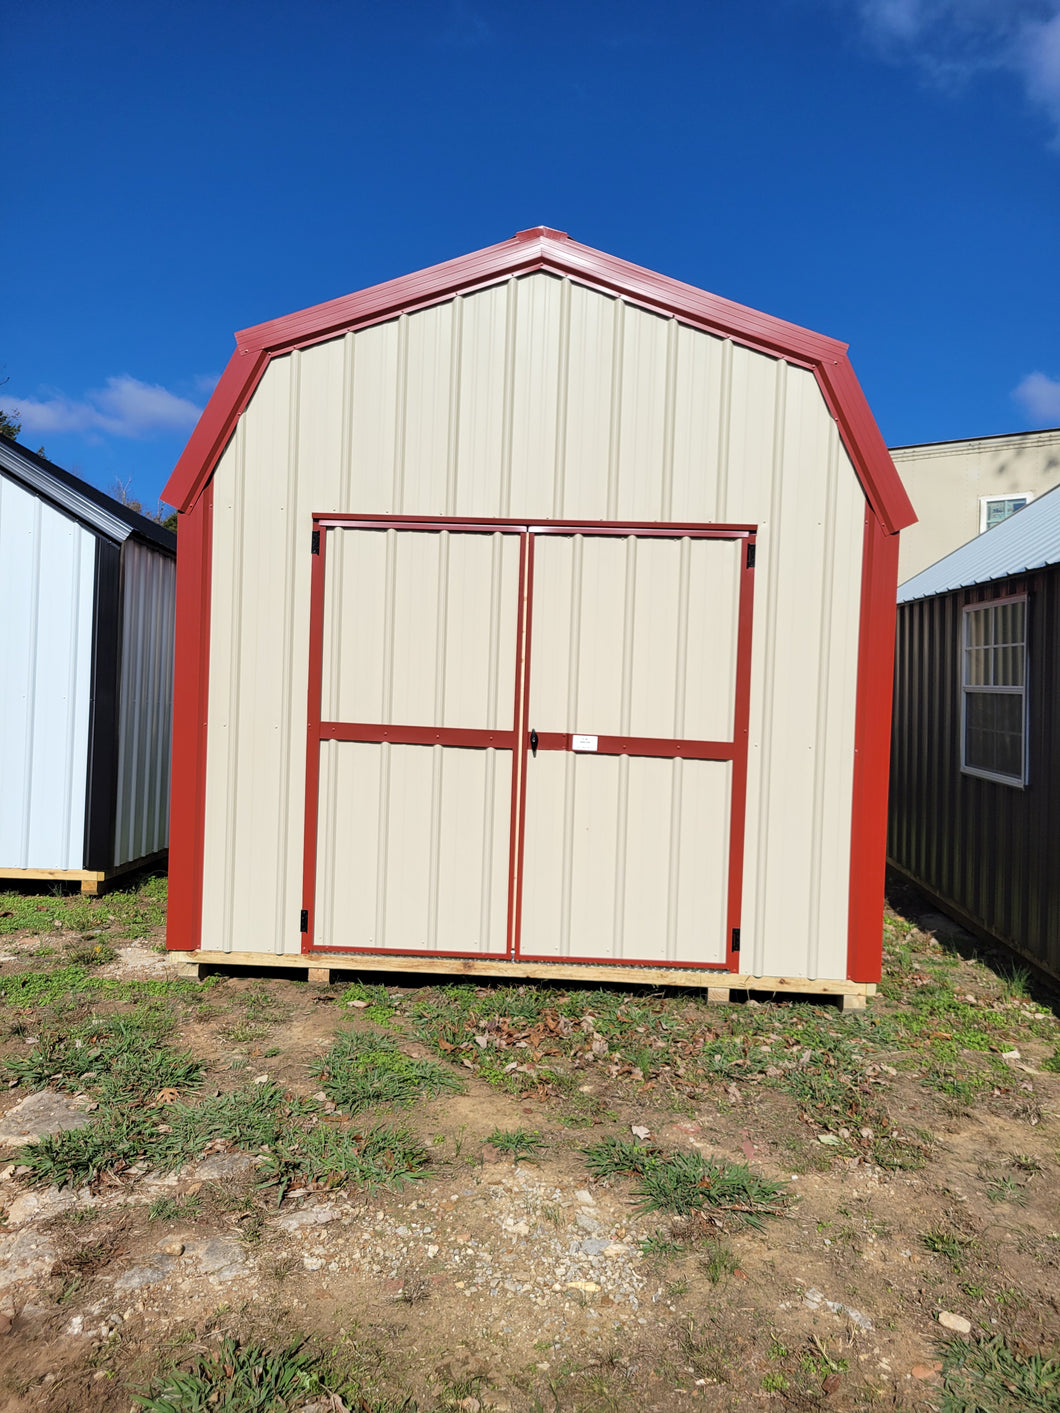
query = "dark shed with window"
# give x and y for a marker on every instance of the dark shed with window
(975, 762)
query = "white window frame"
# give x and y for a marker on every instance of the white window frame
(1017, 782)
(986, 501)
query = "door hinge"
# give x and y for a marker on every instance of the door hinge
(736, 939)
(316, 541)
(304, 924)
(751, 555)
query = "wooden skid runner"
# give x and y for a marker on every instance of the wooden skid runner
(89, 879)
(321, 967)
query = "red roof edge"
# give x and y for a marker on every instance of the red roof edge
(542, 248)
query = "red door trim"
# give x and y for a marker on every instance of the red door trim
(640, 746)
(191, 686)
(318, 730)
(872, 744)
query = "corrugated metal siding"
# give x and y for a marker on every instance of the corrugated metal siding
(988, 848)
(47, 576)
(145, 713)
(540, 398)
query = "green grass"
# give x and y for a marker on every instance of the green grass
(47, 988)
(237, 1378)
(380, 1156)
(986, 1376)
(519, 1144)
(119, 1059)
(686, 1183)
(127, 912)
(172, 1209)
(362, 1071)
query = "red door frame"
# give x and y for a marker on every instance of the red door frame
(735, 750)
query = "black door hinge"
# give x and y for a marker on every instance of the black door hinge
(735, 939)
(304, 925)
(751, 555)
(316, 541)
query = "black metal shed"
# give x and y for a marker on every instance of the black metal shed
(974, 815)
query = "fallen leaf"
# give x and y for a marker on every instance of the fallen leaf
(831, 1383)
(167, 1096)
(639, 1131)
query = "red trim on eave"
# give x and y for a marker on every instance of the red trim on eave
(863, 440)
(187, 809)
(214, 427)
(543, 249)
(872, 744)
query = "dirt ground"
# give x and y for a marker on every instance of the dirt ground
(915, 1150)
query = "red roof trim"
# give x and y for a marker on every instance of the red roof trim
(544, 249)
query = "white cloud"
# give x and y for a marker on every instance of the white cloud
(124, 408)
(1039, 395)
(954, 40)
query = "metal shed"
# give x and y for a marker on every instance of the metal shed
(975, 775)
(86, 642)
(535, 618)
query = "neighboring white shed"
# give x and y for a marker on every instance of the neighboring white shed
(86, 689)
(535, 617)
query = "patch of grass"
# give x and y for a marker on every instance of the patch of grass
(687, 1183)
(363, 1070)
(241, 1379)
(130, 911)
(948, 1244)
(663, 1248)
(47, 988)
(519, 1144)
(89, 953)
(719, 1264)
(1001, 1188)
(326, 1156)
(1052, 1064)
(172, 1209)
(987, 1376)
(121, 1059)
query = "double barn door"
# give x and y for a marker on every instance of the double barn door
(527, 741)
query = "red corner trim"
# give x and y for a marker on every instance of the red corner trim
(541, 248)
(187, 810)
(872, 744)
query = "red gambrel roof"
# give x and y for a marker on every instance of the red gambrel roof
(544, 249)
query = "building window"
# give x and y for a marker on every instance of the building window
(994, 509)
(993, 682)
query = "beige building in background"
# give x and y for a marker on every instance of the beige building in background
(960, 489)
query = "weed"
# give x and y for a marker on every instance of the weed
(1053, 1062)
(663, 1248)
(240, 1379)
(171, 1209)
(719, 1264)
(986, 1376)
(1000, 1188)
(774, 1382)
(520, 1144)
(87, 953)
(326, 1156)
(687, 1183)
(363, 1070)
(948, 1244)
(121, 1059)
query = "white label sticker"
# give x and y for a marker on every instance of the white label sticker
(585, 743)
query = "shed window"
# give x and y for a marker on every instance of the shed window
(993, 677)
(994, 509)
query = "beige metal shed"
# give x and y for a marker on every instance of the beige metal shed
(535, 616)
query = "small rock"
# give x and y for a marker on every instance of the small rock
(174, 1248)
(589, 1287)
(925, 1371)
(587, 1222)
(312, 1263)
(1010, 1054)
(154, 1270)
(957, 1323)
(75, 1326)
(585, 1197)
(261, 1079)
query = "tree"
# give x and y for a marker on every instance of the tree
(8, 426)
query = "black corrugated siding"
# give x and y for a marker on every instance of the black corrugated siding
(990, 850)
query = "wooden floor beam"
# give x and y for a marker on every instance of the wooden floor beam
(323, 967)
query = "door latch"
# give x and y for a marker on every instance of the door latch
(533, 742)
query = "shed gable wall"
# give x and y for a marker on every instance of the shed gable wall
(539, 399)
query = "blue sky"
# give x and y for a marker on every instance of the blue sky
(884, 171)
